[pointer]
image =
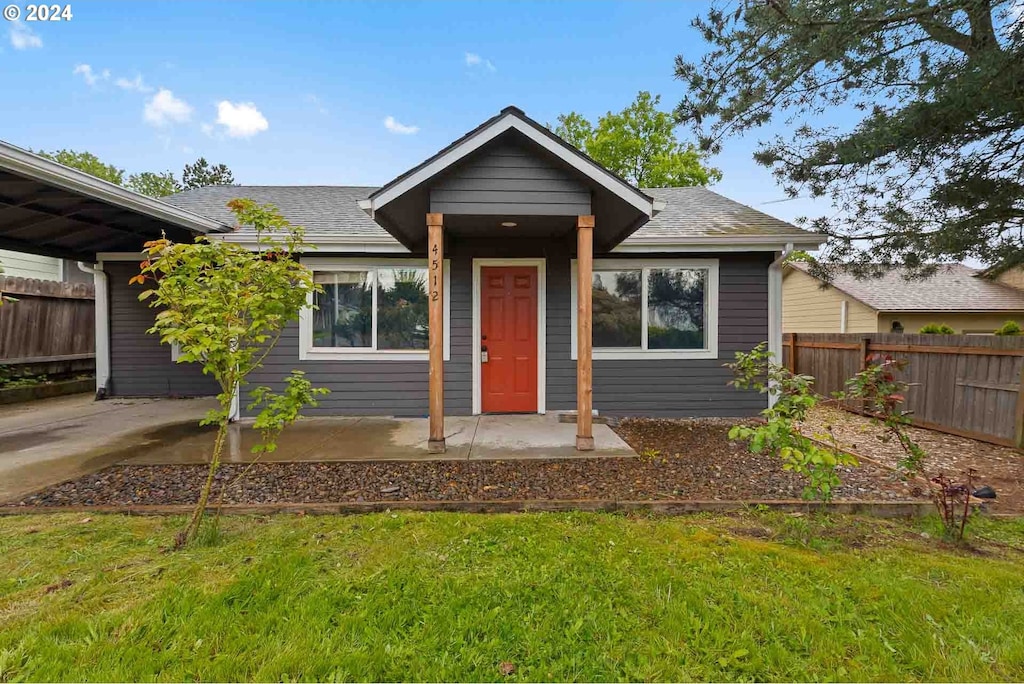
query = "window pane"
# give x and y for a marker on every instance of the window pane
(402, 313)
(616, 308)
(675, 308)
(344, 314)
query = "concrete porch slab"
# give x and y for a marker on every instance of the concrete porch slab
(504, 437)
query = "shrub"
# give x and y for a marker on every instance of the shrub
(778, 435)
(1009, 328)
(937, 329)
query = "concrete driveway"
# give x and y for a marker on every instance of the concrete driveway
(52, 440)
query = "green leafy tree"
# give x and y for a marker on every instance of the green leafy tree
(930, 169)
(154, 184)
(87, 162)
(200, 174)
(639, 144)
(225, 306)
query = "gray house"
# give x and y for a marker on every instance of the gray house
(455, 288)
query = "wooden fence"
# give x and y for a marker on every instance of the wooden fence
(49, 329)
(968, 385)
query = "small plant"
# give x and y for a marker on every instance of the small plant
(953, 501)
(937, 329)
(883, 395)
(225, 306)
(1009, 328)
(816, 459)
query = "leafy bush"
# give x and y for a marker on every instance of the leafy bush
(937, 329)
(883, 396)
(793, 398)
(1009, 328)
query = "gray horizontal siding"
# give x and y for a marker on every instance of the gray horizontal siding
(389, 388)
(673, 388)
(506, 179)
(139, 365)
(667, 387)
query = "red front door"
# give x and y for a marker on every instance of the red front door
(508, 333)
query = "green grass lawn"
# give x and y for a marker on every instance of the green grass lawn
(559, 596)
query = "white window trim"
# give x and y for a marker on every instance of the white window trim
(710, 316)
(542, 328)
(307, 352)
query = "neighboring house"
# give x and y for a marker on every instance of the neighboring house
(682, 278)
(955, 295)
(26, 265)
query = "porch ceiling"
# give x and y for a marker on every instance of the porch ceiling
(49, 209)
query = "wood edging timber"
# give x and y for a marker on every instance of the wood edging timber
(881, 509)
(46, 390)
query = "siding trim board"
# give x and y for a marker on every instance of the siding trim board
(542, 327)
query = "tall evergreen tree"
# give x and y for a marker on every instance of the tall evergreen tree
(932, 169)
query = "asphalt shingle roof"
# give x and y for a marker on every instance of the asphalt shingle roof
(954, 287)
(327, 210)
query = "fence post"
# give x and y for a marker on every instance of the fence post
(864, 342)
(1019, 439)
(792, 353)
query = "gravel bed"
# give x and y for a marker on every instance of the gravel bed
(1000, 467)
(680, 460)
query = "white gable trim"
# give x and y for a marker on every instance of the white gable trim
(507, 122)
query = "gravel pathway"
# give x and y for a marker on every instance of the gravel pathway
(997, 466)
(680, 459)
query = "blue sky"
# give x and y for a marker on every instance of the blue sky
(300, 93)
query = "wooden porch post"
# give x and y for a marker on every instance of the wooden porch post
(435, 254)
(584, 333)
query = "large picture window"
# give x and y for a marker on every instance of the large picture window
(368, 310)
(653, 309)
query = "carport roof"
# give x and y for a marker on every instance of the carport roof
(47, 208)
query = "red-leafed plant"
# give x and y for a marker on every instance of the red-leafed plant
(883, 395)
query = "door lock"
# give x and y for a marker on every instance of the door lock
(483, 354)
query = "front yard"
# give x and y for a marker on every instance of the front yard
(520, 597)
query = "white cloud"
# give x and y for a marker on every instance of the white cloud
(474, 60)
(242, 119)
(23, 38)
(206, 128)
(136, 84)
(86, 72)
(163, 109)
(316, 102)
(401, 129)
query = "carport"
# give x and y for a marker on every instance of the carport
(52, 210)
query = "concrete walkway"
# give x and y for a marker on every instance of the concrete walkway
(52, 440)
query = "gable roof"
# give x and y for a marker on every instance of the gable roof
(691, 215)
(954, 287)
(510, 118)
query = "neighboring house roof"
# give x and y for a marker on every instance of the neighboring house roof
(954, 287)
(333, 211)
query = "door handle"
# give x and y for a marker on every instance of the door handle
(483, 354)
